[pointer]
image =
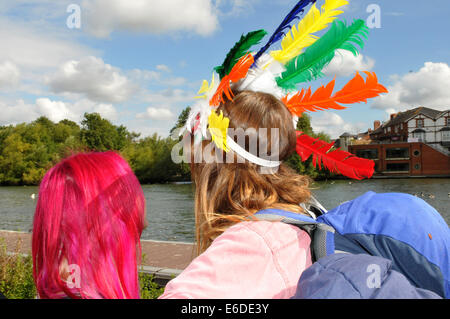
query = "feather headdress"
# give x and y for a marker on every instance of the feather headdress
(302, 57)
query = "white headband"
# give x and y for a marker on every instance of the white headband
(249, 156)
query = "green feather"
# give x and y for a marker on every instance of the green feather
(240, 49)
(308, 66)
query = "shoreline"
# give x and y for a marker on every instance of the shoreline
(336, 178)
(162, 259)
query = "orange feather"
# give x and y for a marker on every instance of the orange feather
(238, 72)
(355, 91)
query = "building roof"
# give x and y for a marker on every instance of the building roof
(346, 134)
(442, 113)
(405, 116)
(402, 117)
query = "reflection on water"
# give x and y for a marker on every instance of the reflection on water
(170, 208)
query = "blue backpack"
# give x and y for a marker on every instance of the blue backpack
(399, 227)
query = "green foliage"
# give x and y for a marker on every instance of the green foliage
(149, 288)
(16, 277)
(27, 151)
(182, 118)
(183, 172)
(101, 135)
(16, 274)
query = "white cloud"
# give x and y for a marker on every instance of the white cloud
(233, 8)
(20, 111)
(34, 47)
(144, 75)
(9, 74)
(54, 110)
(156, 114)
(427, 87)
(169, 96)
(345, 63)
(93, 78)
(17, 112)
(334, 125)
(163, 67)
(157, 16)
(58, 110)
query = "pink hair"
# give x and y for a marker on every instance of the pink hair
(90, 213)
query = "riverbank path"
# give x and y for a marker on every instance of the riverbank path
(164, 260)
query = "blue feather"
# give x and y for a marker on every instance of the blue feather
(286, 24)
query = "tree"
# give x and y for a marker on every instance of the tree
(182, 118)
(100, 134)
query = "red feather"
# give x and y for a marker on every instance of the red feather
(355, 91)
(238, 72)
(336, 161)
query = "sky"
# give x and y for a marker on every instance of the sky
(139, 63)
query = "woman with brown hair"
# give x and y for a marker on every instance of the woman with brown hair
(242, 257)
(249, 116)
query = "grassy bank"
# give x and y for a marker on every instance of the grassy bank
(16, 276)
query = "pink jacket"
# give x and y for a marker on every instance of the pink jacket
(251, 260)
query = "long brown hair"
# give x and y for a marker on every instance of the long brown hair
(227, 193)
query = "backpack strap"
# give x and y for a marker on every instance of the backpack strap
(322, 235)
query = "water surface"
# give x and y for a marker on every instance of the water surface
(170, 207)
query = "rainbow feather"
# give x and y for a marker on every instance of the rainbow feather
(308, 66)
(336, 161)
(286, 24)
(299, 38)
(240, 49)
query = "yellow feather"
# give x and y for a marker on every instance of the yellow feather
(301, 37)
(218, 126)
(205, 88)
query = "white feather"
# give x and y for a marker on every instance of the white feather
(262, 77)
(203, 110)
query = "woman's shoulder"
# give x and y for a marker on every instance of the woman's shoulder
(273, 233)
(255, 259)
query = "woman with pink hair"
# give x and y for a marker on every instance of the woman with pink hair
(87, 226)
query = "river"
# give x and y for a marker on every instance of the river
(170, 206)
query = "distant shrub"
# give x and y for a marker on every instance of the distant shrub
(16, 273)
(16, 276)
(149, 288)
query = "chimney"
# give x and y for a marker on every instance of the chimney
(393, 115)
(376, 124)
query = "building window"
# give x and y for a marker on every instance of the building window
(371, 153)
(419, 134)
(416, 153)
(419, 123)
(447, 121)
(397, 167)
(395, 153)
(445, 136)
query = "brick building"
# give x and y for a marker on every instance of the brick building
(412, 143)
